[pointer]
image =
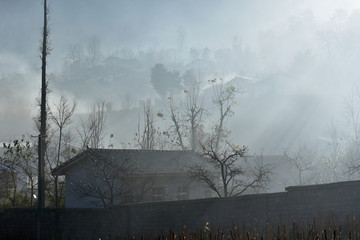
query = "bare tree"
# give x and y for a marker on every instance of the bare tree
(127, 102)
(61, 117)
(187, 117)
(75, 55)
(181, 37)
(301, 156)
(94, 51)
(224, 98)
(333, 164)
(352, 150)
(111, 182)
(146, 138)
(230, 167)
(352, 104)
(21, 170)
(194, 113)
(352, 158)
(92, 130)
(9, 181)
(149, 136)
(174, 114)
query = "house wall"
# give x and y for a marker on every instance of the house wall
(162, 180)
(297, 203)
(168, 183)
(172, 183)
(5, 182)
(71, 199)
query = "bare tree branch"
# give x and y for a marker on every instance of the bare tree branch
(302, 157)
(224, 98)
(110, 181)
(61, 117)
(226, 174)
(92, 130)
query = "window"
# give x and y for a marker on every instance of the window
(208, 193)
(28, 182)
(158, 193)
(182, 193)
(128, 198)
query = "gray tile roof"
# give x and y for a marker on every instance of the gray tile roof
(149, 161)
(8, 169)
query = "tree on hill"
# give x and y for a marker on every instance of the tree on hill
(187, 118)
(146, 138)
(91, 131)
(224, 100)
(148, 135)
(164, 81)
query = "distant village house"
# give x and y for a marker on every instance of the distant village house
(108, 177)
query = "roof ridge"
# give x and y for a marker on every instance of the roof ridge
(138, 150)
(109, 155)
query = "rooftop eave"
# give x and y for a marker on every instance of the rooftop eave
(62, 168)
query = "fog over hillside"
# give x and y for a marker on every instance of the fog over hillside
(294, 62)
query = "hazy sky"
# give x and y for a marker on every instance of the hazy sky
(141, 24)
(145, 24)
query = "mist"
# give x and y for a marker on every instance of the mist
(297, 62)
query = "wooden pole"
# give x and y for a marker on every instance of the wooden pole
(42, 135)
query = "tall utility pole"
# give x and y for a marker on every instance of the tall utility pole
(42, 136)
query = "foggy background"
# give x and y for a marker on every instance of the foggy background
(296, 61)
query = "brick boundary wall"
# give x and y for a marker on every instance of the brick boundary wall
(302, 204)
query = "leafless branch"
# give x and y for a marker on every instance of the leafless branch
(225, 173)
(110, 181)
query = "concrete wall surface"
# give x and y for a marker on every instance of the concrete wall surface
(303, 203)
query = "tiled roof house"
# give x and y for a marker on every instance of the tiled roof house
(107, 177)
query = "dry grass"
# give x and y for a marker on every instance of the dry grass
(317, 230)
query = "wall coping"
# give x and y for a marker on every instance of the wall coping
(324, 186)
(156, 204)
(327, 186)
